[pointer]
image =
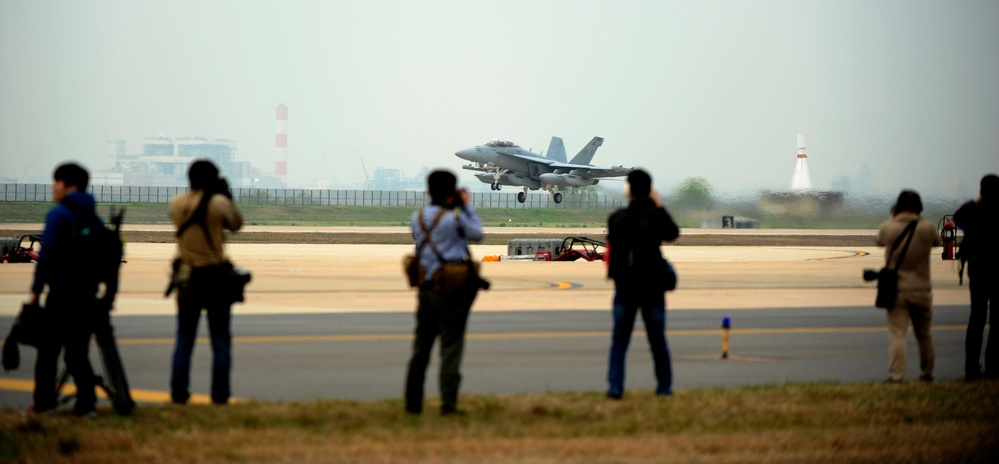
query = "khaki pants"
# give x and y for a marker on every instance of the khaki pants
(913, 306)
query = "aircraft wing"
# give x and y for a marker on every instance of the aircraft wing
(530, 159)
(585, 170)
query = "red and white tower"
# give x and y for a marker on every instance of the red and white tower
(281, 144)
(801, 180)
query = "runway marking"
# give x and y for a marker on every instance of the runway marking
(144, 396)
(561, 286)
(856, 254)
(522, 335)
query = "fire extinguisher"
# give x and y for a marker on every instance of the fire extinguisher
(948, 233)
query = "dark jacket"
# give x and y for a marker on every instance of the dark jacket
(634, 235)
(980, 246)
(60, 225)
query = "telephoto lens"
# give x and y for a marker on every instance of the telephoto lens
(870, 275)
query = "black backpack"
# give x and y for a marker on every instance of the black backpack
(96, 248)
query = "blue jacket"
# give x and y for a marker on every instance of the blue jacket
(60, 224)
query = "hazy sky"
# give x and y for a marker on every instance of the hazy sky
(892, 94)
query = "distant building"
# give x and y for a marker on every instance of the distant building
(394, 180)
(800, 203)
(163, 161)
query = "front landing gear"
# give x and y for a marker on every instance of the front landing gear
(557, 197)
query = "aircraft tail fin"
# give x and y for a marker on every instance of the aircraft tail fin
(586, 154)
(556, 150)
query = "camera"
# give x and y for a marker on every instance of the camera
(871, 275)
(220, 186)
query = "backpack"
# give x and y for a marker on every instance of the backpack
(95, 249)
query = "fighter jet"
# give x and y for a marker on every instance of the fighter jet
(502, 162)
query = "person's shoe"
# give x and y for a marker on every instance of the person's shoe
(666, 393)
(891, 380)
(615, 394)
(973, 377)
(85, 412)
(452, 412)
(926, 378)
(414, 411)
(32, 411)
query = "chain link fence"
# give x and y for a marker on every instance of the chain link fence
(313, 197)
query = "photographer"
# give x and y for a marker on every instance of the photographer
(72, 309)
(915, 294)
(980, 222)
(199, 272)
(440, 231)
(634, 236)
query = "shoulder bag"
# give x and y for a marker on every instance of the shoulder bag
(888, 277)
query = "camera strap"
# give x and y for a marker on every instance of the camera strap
(199, 217)
(909, 231)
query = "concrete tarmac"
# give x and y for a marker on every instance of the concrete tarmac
(335, 321)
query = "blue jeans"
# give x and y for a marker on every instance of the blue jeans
(219, 329)
(654, 315)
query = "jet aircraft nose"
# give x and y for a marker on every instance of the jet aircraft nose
(467, 154)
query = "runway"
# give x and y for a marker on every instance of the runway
(335, 321)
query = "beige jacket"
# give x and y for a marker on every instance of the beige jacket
(914, 274)
(192, 246)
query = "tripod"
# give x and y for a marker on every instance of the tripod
(113, 382)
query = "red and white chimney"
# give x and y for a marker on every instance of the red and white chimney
(281, 144)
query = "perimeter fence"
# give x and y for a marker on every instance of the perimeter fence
(314, 197)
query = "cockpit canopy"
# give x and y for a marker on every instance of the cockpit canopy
(501, 143)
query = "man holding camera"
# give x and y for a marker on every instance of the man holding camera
(980, 248)
(634, 235)
(200, 216)
(441, 231)
(915, 293)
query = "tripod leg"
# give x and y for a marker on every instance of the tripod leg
(60, 383)
(115, 382)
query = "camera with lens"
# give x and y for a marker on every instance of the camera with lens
(871, 275)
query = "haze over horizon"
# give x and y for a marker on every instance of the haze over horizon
(892, 94)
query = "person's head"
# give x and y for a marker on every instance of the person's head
(990, 188)
(68, 178)
(909, 201)
(203, 175)
(441, 186)
(639, 184)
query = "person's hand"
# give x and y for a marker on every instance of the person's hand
(654, 195)
(33, 298)
(463, 196)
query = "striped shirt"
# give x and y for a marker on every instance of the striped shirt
(445, 236)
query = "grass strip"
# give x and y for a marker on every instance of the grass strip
(913, 422)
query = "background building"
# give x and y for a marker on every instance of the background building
(163, 161)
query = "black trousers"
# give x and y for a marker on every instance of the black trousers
(73, 320)
(443, 315)
(984, 285)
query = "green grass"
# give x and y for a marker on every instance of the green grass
(146, 213)
(914, 422)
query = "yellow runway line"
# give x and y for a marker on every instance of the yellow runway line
(142, 396)
(523, 335)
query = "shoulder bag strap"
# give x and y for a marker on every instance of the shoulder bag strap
(199, 217)
(427, 231)
(909, 232)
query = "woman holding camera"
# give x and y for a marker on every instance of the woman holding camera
(199, 272)
(911, 238)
